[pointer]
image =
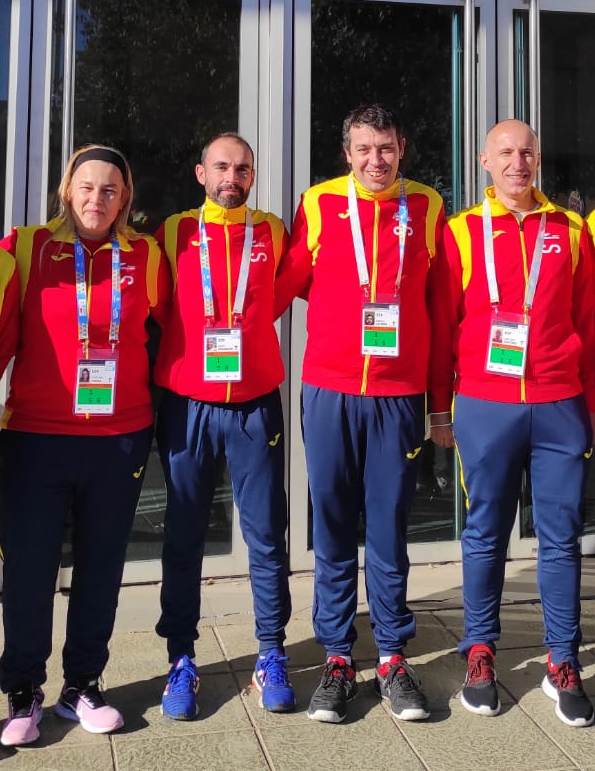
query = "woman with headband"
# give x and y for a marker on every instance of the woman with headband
(78, 430)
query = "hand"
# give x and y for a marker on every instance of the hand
(442, 436)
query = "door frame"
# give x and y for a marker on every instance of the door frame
(484, 108)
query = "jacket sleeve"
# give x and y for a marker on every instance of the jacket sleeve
(9, 301)
(295, 268)
(583, 313)
(445, 293)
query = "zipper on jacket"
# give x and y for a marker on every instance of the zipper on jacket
(525, 316)
(374, 282)
(229, 307)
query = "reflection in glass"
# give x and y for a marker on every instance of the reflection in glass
(4, 59)
(567, 113)
(370, 51)
(567, 142)
(155, 80)
(147, 534)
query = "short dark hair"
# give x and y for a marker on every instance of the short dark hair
(376, 116)
(226, 135)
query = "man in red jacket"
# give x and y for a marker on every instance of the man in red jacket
(363, 249)
(220, 362)
(514, 326)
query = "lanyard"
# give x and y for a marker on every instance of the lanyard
(488, 246)
(358, 241)
(81, 292)
(205, 269)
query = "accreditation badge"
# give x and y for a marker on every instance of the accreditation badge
(95, 387)
(223, 355)
(507, 344)
(380, 329)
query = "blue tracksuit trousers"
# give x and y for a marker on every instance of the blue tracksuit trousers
(496, 441)
(361, 455)
(194, 437)
(99, 479)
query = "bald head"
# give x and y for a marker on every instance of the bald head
(511, 156)
(510, 125)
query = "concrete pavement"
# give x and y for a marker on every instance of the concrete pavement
(232, 732)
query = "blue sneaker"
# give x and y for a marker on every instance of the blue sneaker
(179, 697)
(271, 681)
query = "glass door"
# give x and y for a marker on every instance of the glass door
(409, 55)
(156, 83)
(566, 31)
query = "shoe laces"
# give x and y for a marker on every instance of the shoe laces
(20, 703)
(566, 677)
(90, 692)
(336, 673)
(273, 668)
(398, 671)
(480, 665)
(182, 677)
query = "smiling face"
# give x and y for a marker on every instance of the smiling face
(512, 157)
(97, 195)
(227, 172)
(374, 156)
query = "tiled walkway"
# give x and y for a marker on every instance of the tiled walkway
(232, 732)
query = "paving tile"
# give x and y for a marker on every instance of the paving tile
(230, 751)
(143, 655)
(522, 625)
(220, 708)
(577, 743)
(241, 648)
(63, 758)
(462, 742)
(522, 670)
(365, 705)
(358, 745)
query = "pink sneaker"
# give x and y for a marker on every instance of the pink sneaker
(87, 706)
(24, 715)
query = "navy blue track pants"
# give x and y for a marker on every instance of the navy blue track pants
(99, 479)
(361, 454)
(194, 437)
(496, 441)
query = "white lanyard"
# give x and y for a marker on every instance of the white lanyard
(488, 246)
(205, 269)
(358, 241)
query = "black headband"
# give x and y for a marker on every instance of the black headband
(102, 154)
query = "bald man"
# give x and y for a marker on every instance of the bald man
(514, 339)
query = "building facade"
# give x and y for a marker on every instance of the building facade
(157, 78)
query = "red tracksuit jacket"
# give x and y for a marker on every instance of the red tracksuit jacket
(321, 265)
(43, 378)
(561, 350)
(180, 361)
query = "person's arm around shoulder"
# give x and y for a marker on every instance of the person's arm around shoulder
(9, 301)
(444, 297)
(295, 267)
(159, 281)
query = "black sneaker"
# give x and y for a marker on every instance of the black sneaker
(337, 686)
(398, 684)
(480, 694)
(562, 683)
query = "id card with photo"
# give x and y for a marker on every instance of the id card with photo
(223, 355)
(507, 344)
(95, 387)
(380, 329)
